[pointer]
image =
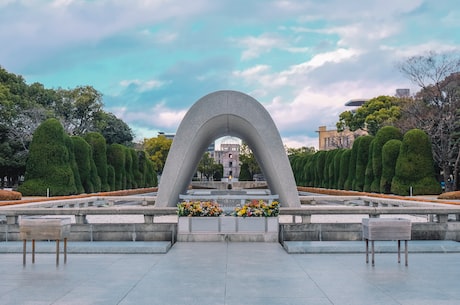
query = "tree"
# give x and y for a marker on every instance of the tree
(48, 165)
(372, 115)
(361, 162)
(116, 158)
(99, 151)
(390, 153)
(414, 166)
(383, 135)
(343, 174)
(247, 157)
(157, 150)
(207, 166)
(434, 107)
(83, 157)
(113, 129)
(77, 108)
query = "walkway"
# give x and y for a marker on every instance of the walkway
(230, 273)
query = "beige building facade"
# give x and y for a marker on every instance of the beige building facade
(332, 139)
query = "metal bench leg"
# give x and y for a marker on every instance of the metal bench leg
(65, 250)
(33, 251)
(373, 251)
(57, 252)
(399, 251)
(24, 245)
(367, 251)
(406, 251)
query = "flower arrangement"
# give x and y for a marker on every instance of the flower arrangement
(258, 208)
(199, 208)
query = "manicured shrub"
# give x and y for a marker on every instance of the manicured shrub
(320, 163)
(111, 177)
(128, 168)
(383, 135)
(348, 185)
(74, 165)
(337, 159)
(99, 154)
(329, 169)
(415, 166)
(343, 174)
(390, 152)
(369, 174)
(116, 158)
(82, 152)
(48, 164)
(94, 176)
(136, 173)
(361, 162)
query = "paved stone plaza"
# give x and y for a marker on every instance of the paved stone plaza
(233, 273)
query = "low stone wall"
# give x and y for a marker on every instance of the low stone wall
(353, 231)
(107, 232)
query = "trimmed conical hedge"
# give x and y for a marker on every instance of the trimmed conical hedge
(48, 165)
(415, 167)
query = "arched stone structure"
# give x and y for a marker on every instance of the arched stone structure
(226, 113)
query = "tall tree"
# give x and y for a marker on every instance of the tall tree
(372, 115)
(434, 107)
(157, 149)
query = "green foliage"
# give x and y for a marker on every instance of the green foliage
(99, 151)
(83, 158)
(157, 150)
(136, 172)
(372, 115)
(319, 168)
(336, 175)
(362, 161)
(113, 129)
(74, 165)
(245, 175)
(48, 165)
(116, 158)
(348, 185)
(128, 169)
(111, 177)
(369, 174)
(390, 152)
(414, 167)
(383, 135)
(343, 173)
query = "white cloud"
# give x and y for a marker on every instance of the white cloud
(142, 86)
(158, 116)
(255, 46)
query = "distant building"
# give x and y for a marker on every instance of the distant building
(229, 157)
(332, 139)
(402, 92)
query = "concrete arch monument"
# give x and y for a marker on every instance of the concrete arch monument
(226, 113)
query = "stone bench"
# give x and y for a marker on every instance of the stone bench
(386, 229)
(41, 228)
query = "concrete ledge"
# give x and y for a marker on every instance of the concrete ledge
(414, 246)
(231, 237)
(99, 247)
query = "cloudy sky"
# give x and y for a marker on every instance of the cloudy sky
(152, 60)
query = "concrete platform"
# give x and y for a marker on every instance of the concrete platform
(414, 246)
(232, 273)
(97, 247)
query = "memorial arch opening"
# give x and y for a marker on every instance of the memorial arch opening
(226, 113)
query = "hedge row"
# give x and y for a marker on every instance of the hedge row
(386, 163)
(59, 165)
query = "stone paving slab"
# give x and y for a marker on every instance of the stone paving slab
(414, 246)
(229, 273)
(96, 247)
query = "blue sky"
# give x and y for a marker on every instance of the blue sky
(152, 60)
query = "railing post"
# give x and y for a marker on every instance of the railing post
(442, 218)
(148, 218)
(11, 219)
(80, 219)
